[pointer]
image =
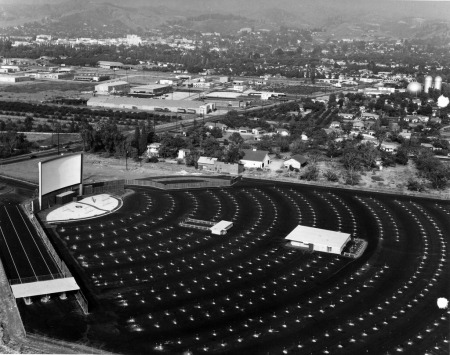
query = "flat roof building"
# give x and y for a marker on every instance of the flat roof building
(111, 87)
(150, 90)
(147, 104)
(14, 78)
(109, 65)
(90, 77)
(316, 239)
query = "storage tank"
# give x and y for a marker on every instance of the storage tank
(438, 83)
(414, 87)
(428, 83)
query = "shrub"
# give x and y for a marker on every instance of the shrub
(153, 160)
(352, 178)
(331, 175)
(415, 185)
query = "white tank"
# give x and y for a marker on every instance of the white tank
(414, 87)
(437, 83)
(428, 83)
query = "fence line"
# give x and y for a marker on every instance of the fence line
(442, 196)
(205, 183)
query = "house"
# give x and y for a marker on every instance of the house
(358, 126)
(244, 130)
(182, 153)
(436, 120)
(153, 149)
(211, 125)
(257, 131)
(346, 116)
(405, 134)
(369, 116)
(296, 162)
(254, 158)
(206, 163)
(283, 132)
(335, 124)
(390, 147)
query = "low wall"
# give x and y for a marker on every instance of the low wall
(205, 183)
(9, 313)
(441, 196)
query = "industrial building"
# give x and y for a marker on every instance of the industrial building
(146, 104)
(91, 77)
(150, 90)
(14, 78)
(316, 239)
(111, 87)
(54, 76)
(109, 65)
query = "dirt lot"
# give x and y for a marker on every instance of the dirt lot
(37, 91)
(98, 168)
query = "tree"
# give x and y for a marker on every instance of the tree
(136, 138)
(236, 138)
(87, 136)
(352, 177)
(298, 147)
(311, 172)
(401, 157)
(232, 154)
(28, 123)
(212, 148)
(143, 140)
(216, 132)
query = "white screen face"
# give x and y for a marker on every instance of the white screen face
(59, 173)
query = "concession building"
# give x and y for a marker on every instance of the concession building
(316, 239)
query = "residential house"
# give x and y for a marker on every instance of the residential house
(296, 162)
(358, 126)
(254, 158)
(369, 116)
(390, 147)
(257, 131)
(244, 130)
(206, 163)
(153, 149)
(335, 124)
(182, 153)
(283, 132)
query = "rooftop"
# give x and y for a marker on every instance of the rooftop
(310, 235)
(254, 155)
(137, 101)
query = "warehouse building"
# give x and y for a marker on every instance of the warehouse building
(146, 104)
(112, 87)
(14, 78)
(109, 65)
(150, 90)
(316, 239)
(91, 77)
(54, 76)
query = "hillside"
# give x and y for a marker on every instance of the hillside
(340, 18)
